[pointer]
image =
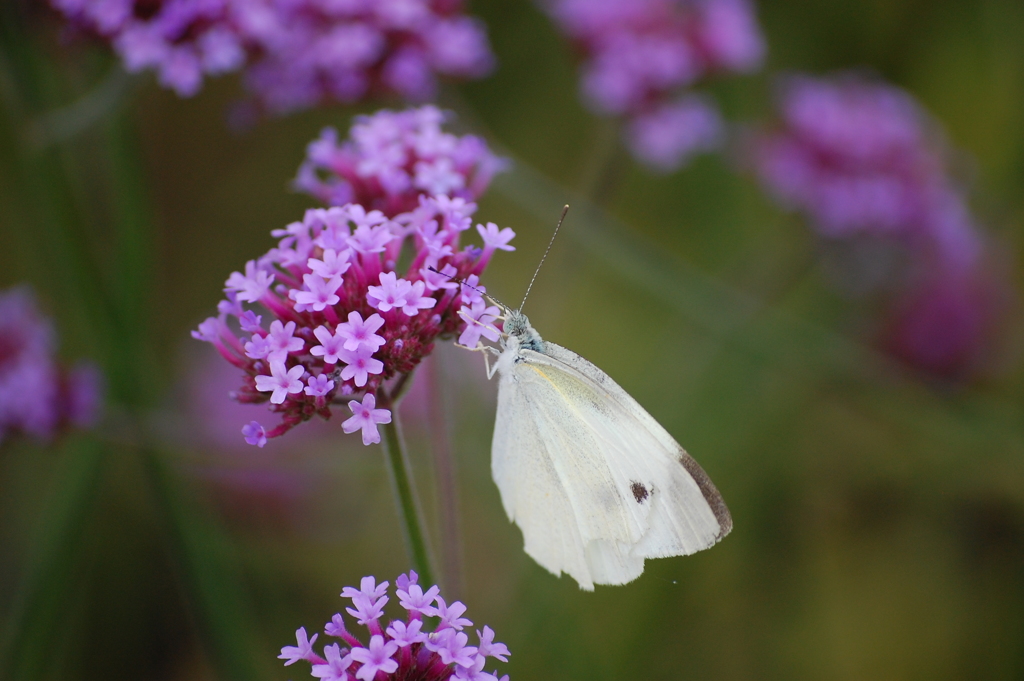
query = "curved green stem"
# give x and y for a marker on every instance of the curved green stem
(409, 510)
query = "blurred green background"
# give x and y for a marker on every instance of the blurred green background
(879, 516)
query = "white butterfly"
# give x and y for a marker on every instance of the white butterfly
(593, 481)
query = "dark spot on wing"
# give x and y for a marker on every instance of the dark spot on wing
(639, 491)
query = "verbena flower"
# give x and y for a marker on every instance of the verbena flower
(640, 55)
(336, 319)
(393, 157)
(325, 318)
(945, 325)
(860, 157)
(295, 53)
(38, 396)
(862, 160)
(403, 649)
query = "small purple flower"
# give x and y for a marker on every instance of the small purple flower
(406, 634)
(489, 648)
(258, 347)
(331, 264)
(358, 333)
(365, 417)
(495, 238)
(368, 239)
(254, 434)
(302, 651)
(401, 649)
(208, 330)
(376, 658)
(336, 627)
(451, 615)
(249, 321)
(368, 587)
(439, 279)
(366, 609)
(318, 386)
(281, 381)
(417, 601)
(359, 364)
(330, 346)
(252, 285)
(479, 322)
(316, 294)
(282, 340)
(452, 648)
(334, 667)
(399, 294)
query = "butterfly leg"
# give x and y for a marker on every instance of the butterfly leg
(487, 350)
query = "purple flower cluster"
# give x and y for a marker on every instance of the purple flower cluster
(39, 397)
(861, 157)
(403, 650)
(640, 53)
(296, 53)
(342, 321)
(392, 157)
(862, 160)
(947, 325)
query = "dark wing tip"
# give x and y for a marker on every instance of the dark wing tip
(710, 492)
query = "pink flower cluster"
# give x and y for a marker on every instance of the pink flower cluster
(861, 157)
(402, 650)
(39, 397)
(640, 53)
(342, 320)
(863, 161)
(296, 53)
(392, 157)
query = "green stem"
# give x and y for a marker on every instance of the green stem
(401, 483)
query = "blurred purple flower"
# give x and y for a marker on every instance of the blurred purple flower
(861, 159)
(639, 54)
(666, 137)
(38, 396)
(401, 649)
(946, 325)
(393, 157)
(295, 53)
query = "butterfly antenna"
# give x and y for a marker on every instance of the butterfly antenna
(462, 282)
(544, 257)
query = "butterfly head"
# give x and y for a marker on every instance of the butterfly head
(518, 326)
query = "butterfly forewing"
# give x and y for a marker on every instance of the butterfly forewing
(593, 481)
